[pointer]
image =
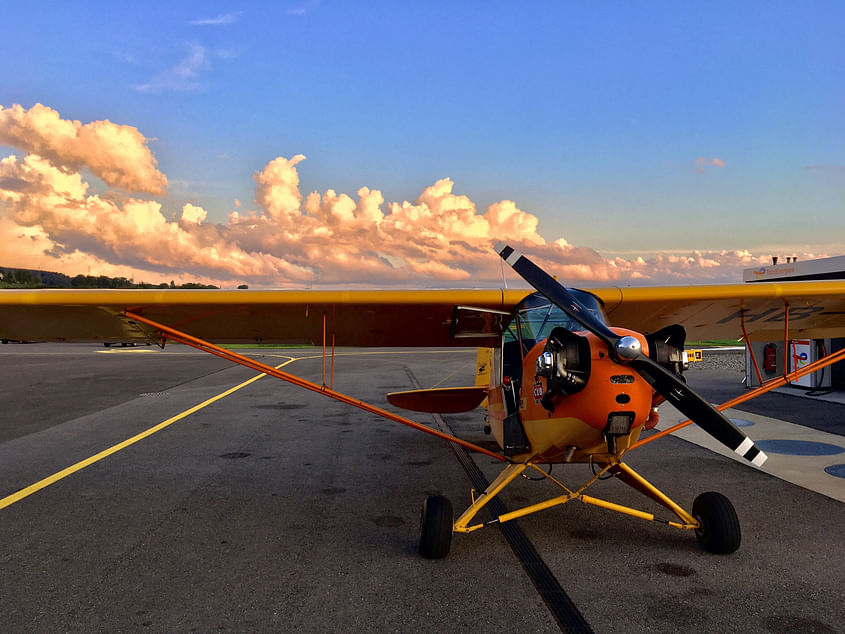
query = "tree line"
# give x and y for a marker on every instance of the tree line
(33, 278)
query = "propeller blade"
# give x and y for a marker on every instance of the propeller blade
(694, 407)
(627, 351)
(556, 292)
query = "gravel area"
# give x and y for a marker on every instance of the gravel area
(726, 361)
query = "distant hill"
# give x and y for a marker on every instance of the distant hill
(34, 278)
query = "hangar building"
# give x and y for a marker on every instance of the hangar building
(770, 355)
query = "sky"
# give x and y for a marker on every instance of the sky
(310, 143)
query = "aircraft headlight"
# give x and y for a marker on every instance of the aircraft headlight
(619, 423)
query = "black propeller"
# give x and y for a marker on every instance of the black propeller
(628, 351)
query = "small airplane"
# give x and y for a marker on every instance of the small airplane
(562, 386)
(575, 390)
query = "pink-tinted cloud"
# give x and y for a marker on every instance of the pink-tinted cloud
(702, 163)
(129, 231)
(193, 214)
(52, 220)
(118, 154)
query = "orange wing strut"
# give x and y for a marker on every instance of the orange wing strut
(807, 369)
(786, 340)
(750, 349)
(331, 379)
(324, 349)
(229, 355)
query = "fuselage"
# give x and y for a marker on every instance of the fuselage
(572, 400)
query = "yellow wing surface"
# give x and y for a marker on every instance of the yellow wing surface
(816, 309)
(400, 318)
(357, 318)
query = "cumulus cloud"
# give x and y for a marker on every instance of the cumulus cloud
(130, 232)
(48, 210)
(193, 214)
(118, 154)
(277, 189)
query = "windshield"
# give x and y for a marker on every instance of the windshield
(538, 317)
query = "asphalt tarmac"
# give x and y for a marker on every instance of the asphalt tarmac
(275, 509)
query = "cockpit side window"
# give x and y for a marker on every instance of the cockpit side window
(511, 353)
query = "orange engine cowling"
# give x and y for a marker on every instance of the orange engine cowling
(574, 377)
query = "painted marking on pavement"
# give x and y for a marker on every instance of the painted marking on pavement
(800, 447)
(41, 484)
(125, 351)
(837, 470)
(741, 422)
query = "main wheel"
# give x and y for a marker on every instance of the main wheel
(436, 527)
(719, 532)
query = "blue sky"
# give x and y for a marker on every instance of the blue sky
(590, 116)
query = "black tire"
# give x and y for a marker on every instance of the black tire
(436, 527)
(719, 532)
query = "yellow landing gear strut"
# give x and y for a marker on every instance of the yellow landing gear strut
(614, 467)
(713, 517)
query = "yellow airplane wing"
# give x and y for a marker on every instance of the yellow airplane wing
(400, 318)
(357, 318)
(816, 309)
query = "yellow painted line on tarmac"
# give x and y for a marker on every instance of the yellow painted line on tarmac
(398, 352)
(384, 352)
(125, 351)
(41, 484)
(461, 368)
